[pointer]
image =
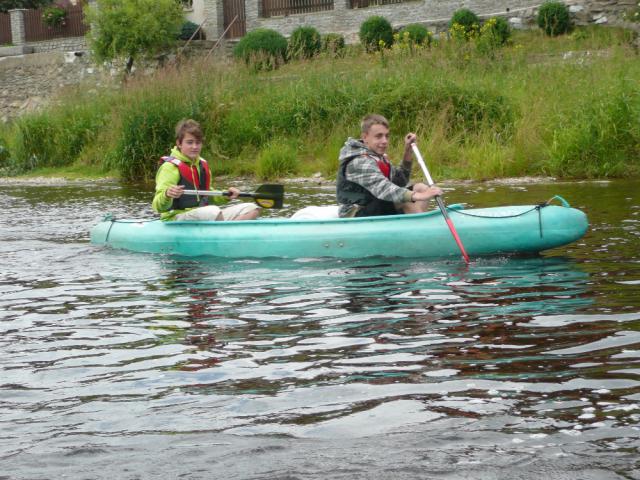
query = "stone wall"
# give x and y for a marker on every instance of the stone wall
(29, 81)
(72, 44)
(434, 14)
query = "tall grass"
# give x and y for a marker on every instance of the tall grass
(566, 106)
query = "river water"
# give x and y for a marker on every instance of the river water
(135, 366)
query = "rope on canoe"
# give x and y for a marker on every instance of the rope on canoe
(537, 207)
(110, 218)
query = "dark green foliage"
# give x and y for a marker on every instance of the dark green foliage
(501, 30)
(277, 159)
(263, 48)
(54, 16)
(188, 29)
(147, 132)
(376, 33)
(132, 29)
(6, 5)
(553, 18)
(305, 42)
(5, 155)
(466, 18)
(56, 139)
(255, 122)
(468, 109)
(603, 136)
(418, 34)
(333, 44)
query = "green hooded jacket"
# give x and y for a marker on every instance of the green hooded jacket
(168, 175)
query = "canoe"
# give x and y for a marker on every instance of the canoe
(524, 229)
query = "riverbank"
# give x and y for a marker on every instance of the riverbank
(314, 180)
(563, 107)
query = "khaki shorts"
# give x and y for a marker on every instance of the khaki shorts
(211, 212)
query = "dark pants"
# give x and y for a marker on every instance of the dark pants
(376, 208)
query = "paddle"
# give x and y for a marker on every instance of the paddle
(267, 196)
(443, 209)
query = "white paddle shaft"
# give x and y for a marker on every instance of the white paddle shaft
(205, 193)
(418, 155)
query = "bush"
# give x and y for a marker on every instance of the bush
(55, 137)
(417, 34)
(376, 33)
(553, 18)
(333, 44)
(54, 16)
(263, 48)
(277, 159)
(498, 28)
(494, 34)
(5, 155)
(305, 42)
(146, 131)
(132, 29)
(466, 18)
(600, 138)
(187, 31)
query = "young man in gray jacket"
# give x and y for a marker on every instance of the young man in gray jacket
(368, 184)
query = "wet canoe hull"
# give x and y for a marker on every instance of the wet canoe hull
(489, 231)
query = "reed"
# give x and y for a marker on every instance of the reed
(565, 106)
(277, 159)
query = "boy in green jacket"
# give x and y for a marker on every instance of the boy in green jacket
(184, 169)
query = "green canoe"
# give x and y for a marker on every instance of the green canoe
(522, 229)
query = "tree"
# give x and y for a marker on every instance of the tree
(6, 5)
(132, 29)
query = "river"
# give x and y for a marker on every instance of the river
(136, 366)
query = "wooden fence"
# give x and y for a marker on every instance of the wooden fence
(36, 30)
(234, 18)
(5, 28)
(373, 3)
(278, 8)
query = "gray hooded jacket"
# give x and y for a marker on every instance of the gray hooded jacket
(360, 180)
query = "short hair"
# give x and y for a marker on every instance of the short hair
(188, 125)
(371, 120)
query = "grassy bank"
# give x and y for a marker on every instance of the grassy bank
(567, 107)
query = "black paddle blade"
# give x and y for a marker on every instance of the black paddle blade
(269, 196)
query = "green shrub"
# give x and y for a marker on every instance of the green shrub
(498, 28)
(263, 48)
(376, 33)
(333, 44)
(55, 138)
(277, 159)
(187, 31)
(553, 18)
(5, 155)
(494, 34)
(466, 18)
(54, 16)
(417, 34)
(305, 42)
(601, 136)
(146, 132)
(130, 30)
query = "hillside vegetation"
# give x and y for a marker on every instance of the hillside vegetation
(566, 106)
